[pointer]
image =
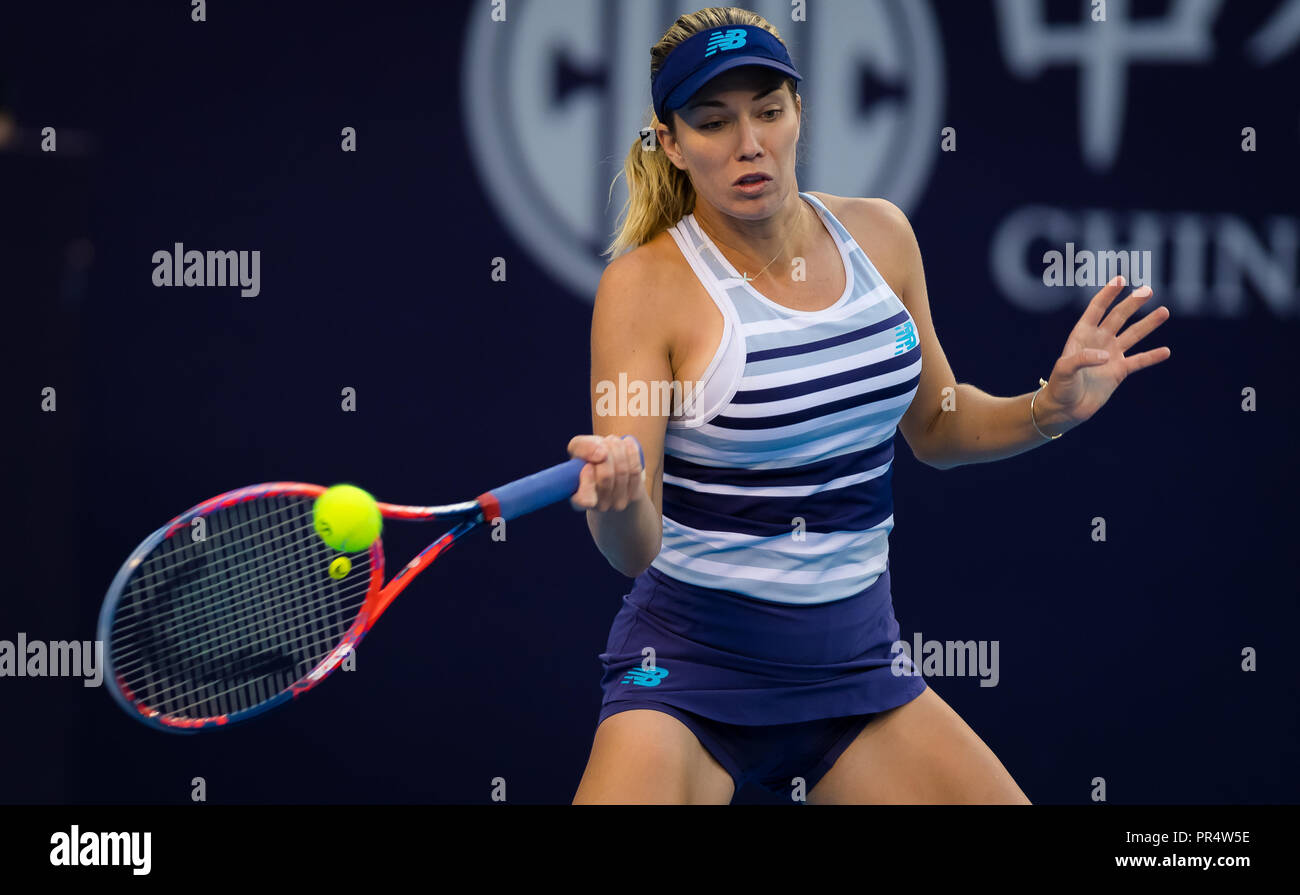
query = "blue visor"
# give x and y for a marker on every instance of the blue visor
(703, 56)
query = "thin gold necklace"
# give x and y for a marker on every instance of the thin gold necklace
(745, 274)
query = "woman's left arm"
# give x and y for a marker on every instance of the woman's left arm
(950, 424)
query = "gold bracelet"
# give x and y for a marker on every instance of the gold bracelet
(1041, 383)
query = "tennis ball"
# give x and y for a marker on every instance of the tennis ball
(346, 518)
(340, 567)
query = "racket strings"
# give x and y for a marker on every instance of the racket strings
(218, 625)
(253, 662)
(166, 580)
(305, 544)
(183, 552)
(239, 660)
(230, 578)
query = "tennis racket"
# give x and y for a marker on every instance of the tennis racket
(229, 609)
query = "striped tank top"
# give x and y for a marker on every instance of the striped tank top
(776, 476)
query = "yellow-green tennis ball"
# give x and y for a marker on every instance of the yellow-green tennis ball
(340, 567)
(347, 518)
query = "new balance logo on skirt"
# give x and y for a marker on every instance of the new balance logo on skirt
(646, 677)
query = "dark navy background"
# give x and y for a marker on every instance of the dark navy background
(1119, 660)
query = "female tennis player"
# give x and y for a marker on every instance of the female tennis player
(755, 643)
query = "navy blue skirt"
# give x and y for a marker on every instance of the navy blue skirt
(740, 660)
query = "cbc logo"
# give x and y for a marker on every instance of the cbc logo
(554, 97)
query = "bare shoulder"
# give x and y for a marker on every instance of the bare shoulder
(640, 295)
(878, 219)
(883, 231)
(647, 270)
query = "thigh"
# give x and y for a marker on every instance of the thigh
(643, 756)
(920, 752)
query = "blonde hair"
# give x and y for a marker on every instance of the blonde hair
(659, 194)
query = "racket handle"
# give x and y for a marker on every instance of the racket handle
(541, 489)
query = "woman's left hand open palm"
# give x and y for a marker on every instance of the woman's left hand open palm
(1083, 379)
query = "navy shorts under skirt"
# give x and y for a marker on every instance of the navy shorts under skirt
(771, 690)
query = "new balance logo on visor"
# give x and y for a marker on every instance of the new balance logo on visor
(646, 677)
(725, 40)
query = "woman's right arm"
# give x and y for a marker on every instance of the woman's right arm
(629, 336)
